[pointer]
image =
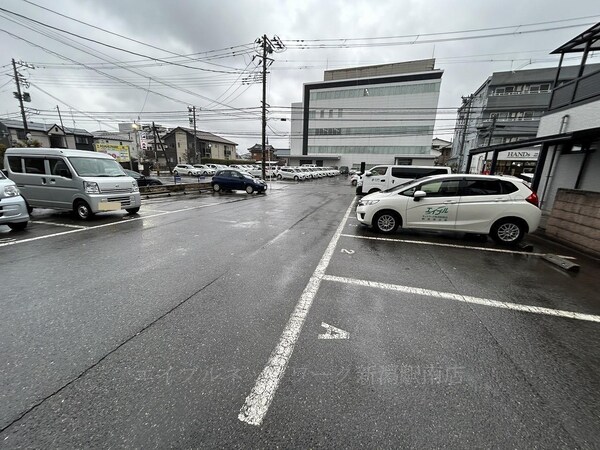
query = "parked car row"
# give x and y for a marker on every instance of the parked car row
(305, 173)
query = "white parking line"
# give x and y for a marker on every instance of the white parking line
(465, 298)
(133, 219)
(439, 244)
(258, 401)
(58, 224)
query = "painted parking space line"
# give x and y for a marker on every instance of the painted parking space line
(66, 225)
(133, 219)
(465, 298)
(258, 401)
(439, 244)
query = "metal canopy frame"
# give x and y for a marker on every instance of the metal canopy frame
(578, 44)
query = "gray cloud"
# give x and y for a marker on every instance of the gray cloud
(199, 26)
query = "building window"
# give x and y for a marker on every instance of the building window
(312, 114)
(331, 113)
(340, 112)
(82, 140)
(322, 113)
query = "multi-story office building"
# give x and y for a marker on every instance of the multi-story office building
(378, 115)
(506, 108)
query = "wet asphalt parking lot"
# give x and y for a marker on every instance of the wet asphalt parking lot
(228, 320)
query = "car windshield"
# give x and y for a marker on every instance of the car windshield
(96, 167)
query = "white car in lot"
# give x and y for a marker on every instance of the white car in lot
(186, 169)
(503, 207)
(355, 178)
(290, 173)
(205, 170)
(13, 209)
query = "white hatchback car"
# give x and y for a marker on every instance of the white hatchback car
(186, 169)
(505, 208)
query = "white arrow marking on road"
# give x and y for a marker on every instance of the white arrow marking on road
(333, 332)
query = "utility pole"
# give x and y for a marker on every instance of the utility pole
(268, 47)
(163, 149)
(192, 110)
(489, 142)
(20, 97)
(63, 127)
(464, 134)
(265, 48)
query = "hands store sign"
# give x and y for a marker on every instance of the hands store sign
(522, 155)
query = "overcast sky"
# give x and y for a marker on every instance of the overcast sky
(217, 39)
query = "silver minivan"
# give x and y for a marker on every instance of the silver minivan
(82, 181)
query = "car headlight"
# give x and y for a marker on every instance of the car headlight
(11, 191)
(367, 202)
(91, 187)
(135, 187)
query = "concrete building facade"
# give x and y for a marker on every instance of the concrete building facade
(506, 108)
(377, 114)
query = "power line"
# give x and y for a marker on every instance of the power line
(108, 75)
(122, 36)
(439, 33)
(111, 46)
(432, 41)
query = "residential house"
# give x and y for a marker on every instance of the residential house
(50, 136)
(179, 146)
(442, 149)
(257, 153)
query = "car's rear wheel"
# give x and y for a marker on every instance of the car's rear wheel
(83, 210)
(386, 222)
(249, 189)
(216, 187)
(279, 177)
(190, 174)
(354, 182)
(296, 178)
(175, 172)
(508, 231)
(19, 226)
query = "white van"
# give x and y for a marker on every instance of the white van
(82, 181)
(380, 178)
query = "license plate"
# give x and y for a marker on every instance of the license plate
(109, 206)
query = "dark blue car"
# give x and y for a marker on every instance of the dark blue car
(234, 180)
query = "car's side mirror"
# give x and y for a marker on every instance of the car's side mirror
(368, 174)
(419, 195)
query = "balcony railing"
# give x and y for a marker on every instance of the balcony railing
(580, 89)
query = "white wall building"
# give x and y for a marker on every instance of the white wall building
(378, 115)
